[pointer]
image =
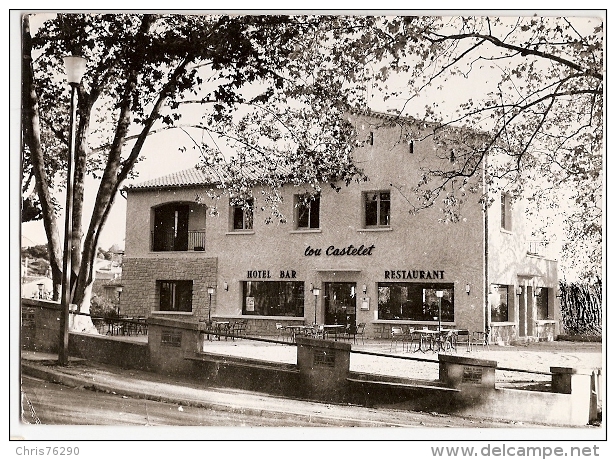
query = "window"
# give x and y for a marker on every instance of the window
(176, 295)
(377, 209)
(242, 214)
(273, 298)
(506, 211)
(499, 304)
(415, 301)
(308, 211)
(178, 227)
(542, 304)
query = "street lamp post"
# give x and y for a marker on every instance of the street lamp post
(210, 291)
(119, 291)
(316, 292)
(75, 67)
(439, 294)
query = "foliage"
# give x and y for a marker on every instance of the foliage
(535, 121)
(254, 81)
(101, 307)
(36, 252)
(102, 254)
(581, 307)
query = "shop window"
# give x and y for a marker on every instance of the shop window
(415, 301)
(542, 304)
(273, 298)
(506, 212)
(175, 295)
(377, 209)
(308, 211)
(242, 214)
(499, 304)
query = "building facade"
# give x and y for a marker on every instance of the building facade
(344, 257)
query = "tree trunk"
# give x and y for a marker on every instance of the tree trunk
(32, 138)
(82, 323)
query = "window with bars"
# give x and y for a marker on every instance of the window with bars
(175, 295)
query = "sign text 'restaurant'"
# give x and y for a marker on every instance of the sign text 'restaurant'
(414, 274)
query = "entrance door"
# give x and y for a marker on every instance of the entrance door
(340, 304)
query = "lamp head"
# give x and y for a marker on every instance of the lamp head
(75, 68)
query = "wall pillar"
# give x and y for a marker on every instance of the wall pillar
(170, 341)
(470, 374)
(324, 368)
(582, 385)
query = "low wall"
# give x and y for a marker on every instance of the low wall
(40, 325)
(109, 350)
(503, 334)
(572, 400)
(247, 374)
(170, 341)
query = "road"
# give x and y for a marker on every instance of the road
(52, 404)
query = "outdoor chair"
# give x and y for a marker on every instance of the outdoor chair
(359, 331)
(238, 329)
(397, 335)
(317, 331)
(348, 332)
(282, 332)
(463, 337)
(480, 338)
(416, 338)
(444, 341)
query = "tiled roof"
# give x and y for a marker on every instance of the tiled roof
(207, 177)
(192, 176)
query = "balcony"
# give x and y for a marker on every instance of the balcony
(540, 248)
(188, 240)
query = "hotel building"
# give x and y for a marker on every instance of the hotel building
(370, 260)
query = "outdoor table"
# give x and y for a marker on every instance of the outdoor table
(430, 335)
(333, 327)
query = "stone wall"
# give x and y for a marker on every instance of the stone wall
(140, 296)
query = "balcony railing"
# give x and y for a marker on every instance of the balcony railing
(190, 240)
(540, 248)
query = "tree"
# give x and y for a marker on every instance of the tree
(247, 75)
(536, 118)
